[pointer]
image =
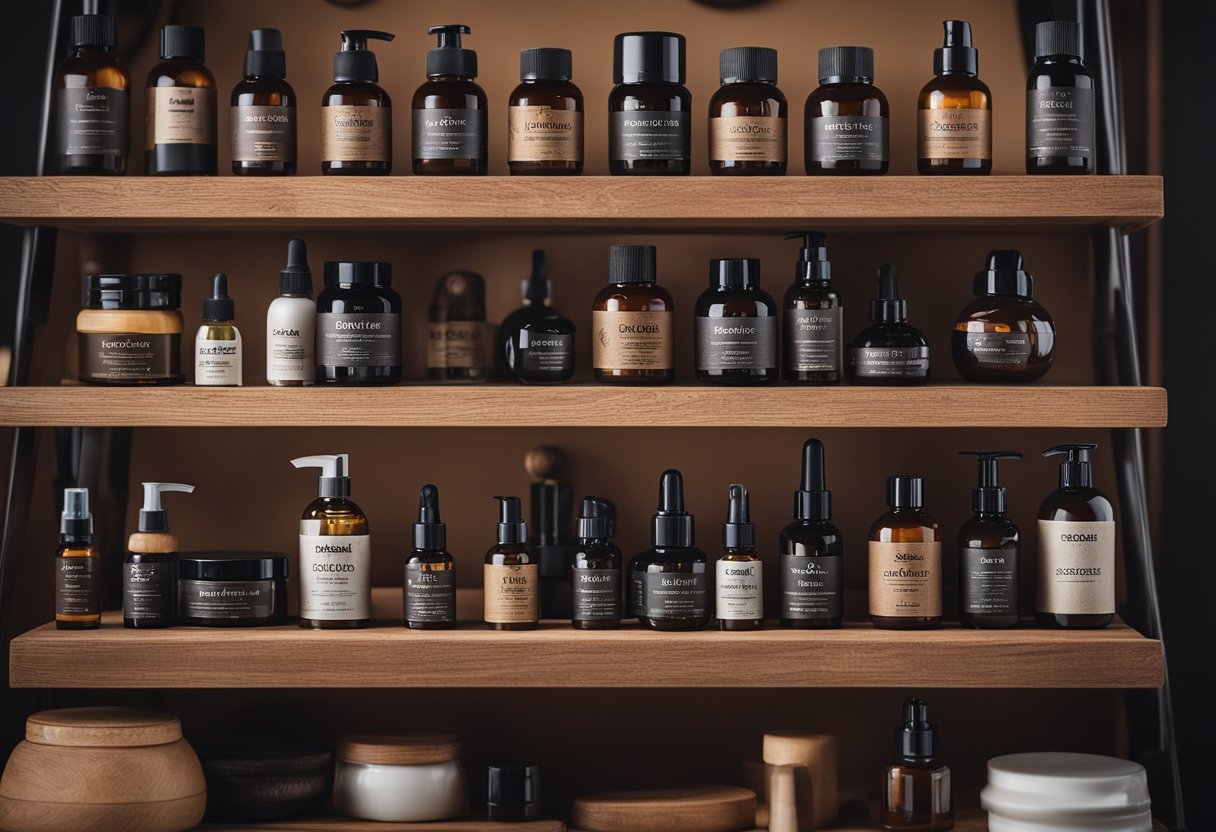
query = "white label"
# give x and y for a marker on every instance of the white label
(739, 592)
(291, 340)
(1076, 567)
(217, 363)
(335, 577)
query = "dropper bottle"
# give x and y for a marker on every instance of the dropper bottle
(889, 351)
(536, 344)
(356, 112)
(77, 566)
(812, 312)
(510, 575)
(988, 546)
(669, 582)
(218, 359)
(739, 588)
(291, 320)
(430, 570)
(149, 572)
(812, 552)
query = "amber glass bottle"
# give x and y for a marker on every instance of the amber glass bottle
(356, 112)
(449, 135)
(954, 130)
(633, 321)
(430, 570)
(77, 566)
(812, 317)
(545, 117)
(905, 560)
(748, 116)
(739, 576)
(649, 109)
(264, 110)
(735, 334)
(595, 576)
(92, 100)
(916, 789)
(847, 116)
(511, 577)
(181, 107)
(1004, 334)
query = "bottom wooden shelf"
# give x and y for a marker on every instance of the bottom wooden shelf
(334, 823)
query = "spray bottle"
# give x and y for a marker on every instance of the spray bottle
(77, 566)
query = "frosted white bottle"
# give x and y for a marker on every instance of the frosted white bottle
(291, 324)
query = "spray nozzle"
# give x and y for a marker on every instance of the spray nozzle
(813, 262)
(429, 532)
(355, 62)
(536, 287)
(511, 525)
(296, 277)
(956, 53)
(596, 518)
(671, 525)
(916, 737)
(1075, 472)
(153, 518)
(813, 501)
(335, 473)
(888, 307)
(989, 496)
(448, 57)
(739, 531)
(219, 307)
(76, 521)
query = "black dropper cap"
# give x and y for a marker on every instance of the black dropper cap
(1075, 472)
(739, 532)
(631, 264)
(888, 307)
(93, 28)
(429, 532)
(596, 519)
(956, 53)
(1065, 38)
(511, 525)
(989, 496)
(355, 62)
(219, 307)
(748, 65)
(537, 287)
(813, 501)
(296, 278)
(916, 738)
(264, 57)
(813, 265)
(75, 522)
(449, 57)
(545, 64)
(734, 274)
(184, 42)
(1005, 275)
(648, 57)
(672, 526)
(905, 493)
(846, 65)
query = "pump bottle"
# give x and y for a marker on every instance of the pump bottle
(1076, 586)
(149, 572)
(449, 136)
(291, 320)
(264, 110)
(430, 570)
(669, 582)
(812, 317)
(988, 552)
(217, 346)
(77, 566)
(889, 351)
(335, 551)
(954, 128)
(92, 99)
(536, 344)
(739, 588)
(916, 788)
(356, 112)
(596, 573)
(812, 552)
(510, 575)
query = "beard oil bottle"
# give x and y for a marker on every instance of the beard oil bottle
(77, 566)
(430, 570)
(812, 317)
(747, 116)
(669, 582)
(1060, 125)
(988, 552)
(812, 552)
(739, 585)
(905, 560)
(916, 788)
(649, 118)
(356, 112)
(181, 138)
(954, 129)
(596, 575)
(510, 576)
(92, 99)
(545, 117)
(633, 321)
(536, 344)
(889, 351)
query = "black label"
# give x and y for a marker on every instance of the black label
(1004, 348)
(812, 340)
(148, 590)
(263, 134)
(77, 586)
(92, 120)
(670, 594)
(223, 600)
(848, 138)
(430, 594)
(597, 594)
(988, 581)
(889, 362)
(1060, 122)
(812, 587)
(650, 134)
(449, 133)
(359, 339)
(129, 356)
(546, 352)
(736, 343)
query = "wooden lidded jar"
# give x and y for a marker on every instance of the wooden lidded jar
(101, 769)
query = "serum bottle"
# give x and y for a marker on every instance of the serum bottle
(813, 317)
(264, 110)
(77, 566)
(92, 99)
(739, 588)
(954, 129)
(889, 351)
(356, 112)
(669, 582)
(181, 138)
(449, 136)
(291, 320)
(812, 552)
(510, 576)
(988, 552)
(916, 787)
(217, 346)
(1060, 125)
(596, 574)
(905, 560)
(430, 570)
(149, 572)
(536, 343)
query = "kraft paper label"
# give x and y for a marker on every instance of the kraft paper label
(356, 134)
(511, 594)
(739, 589)
(747, 139)
(1076, 567)
(181, 115)
(632, 340)
(906, 579)
(466, 345)
(262, 133)
(542, 134)
(335, 575)
(92, 121)
(955, 134)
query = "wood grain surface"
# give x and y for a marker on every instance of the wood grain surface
(690, 809)
(103, 727)
(329, 823)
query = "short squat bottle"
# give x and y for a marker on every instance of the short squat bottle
(78, 576)
(449, 135)
(511, 576)
(812, 317)
(218, 352)
(460, 344)
(954, 129)
(536, 343)
(181, 138)
(735, 326)
(358, 325)
(739, 575)
(92, 100)
(291, 319)
(545, 117)
(669, 582)
(847, 116)
(430, 570)
(988, 556)
(1004, 334)
(356, 112)
(812, 553)
(264, 110)
(633, 321)
(1061, 135)
(748, 116)
(595, 577)
(916, 787)
(905, 560)
(649, 109)
(889, 351)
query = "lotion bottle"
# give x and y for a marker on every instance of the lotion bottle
(916, 788)
(813, 317)
(430, 570)
(510, 574)
(218, 360)
(812, 552)
(149, 572)
(291, 341)
(450, 134)
(669, 582)
(739, 588)
(988, 552)
(77, 566)
(356, 112)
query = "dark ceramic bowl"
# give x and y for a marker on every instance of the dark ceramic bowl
(265, 781)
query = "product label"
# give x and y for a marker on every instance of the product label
(955, 134)
(263, 133)
(670, 594)
(649, 134)
(290, 349)
(77, 586)
(512, 594)
(889, 362)
(632, 340)
(148, 590)
(181, 115)
(812, 587)
(449, 133)
(359, 339)
(747, 139)
(1003, 348)
(546, 352)
(335, 575)
(542, 134)
(848, 138)
(812, 340)
(430, 594)
(464, 345)
(217, 363)
(1060, 122)
(92, 120)
(736, 343)
(356, 134)
(988, 580)
(906, 579)
(739, 590)
(225, 599)
(1076, 567)
(129, 356)
(597, 594)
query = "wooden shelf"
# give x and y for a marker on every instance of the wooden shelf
(588, 405)
(335, 823)
(699, 203)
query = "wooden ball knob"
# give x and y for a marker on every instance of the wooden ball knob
(545, 462)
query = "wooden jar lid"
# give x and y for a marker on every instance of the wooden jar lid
(692, 809)
(399, 749)
(106, 727)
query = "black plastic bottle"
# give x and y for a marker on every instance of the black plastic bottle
(847, 116)
(812, 553)
(812, 317)
(180, 133)
(988, 545)
(649, 109)
(92, 99)
(889, 351)
(916, 787)
(430, 570)
(149, 570)
(596, 572)
(735, 326)
(748, 115)
(358, 324)
(264, 110)
(356, 112)
(545, 117)
(669, 582)
(1060, 125)
(449, 135)
(536, 344)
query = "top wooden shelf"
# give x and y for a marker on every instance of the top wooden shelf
(698, 203)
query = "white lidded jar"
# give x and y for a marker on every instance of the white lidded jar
(291, 321)
(1062, 792)
(403, 778)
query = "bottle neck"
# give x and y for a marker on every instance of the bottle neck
(592, 542)
(76, 541)
(90, 48)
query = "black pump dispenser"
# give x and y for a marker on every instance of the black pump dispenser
(219, 307)
(813, 501)
(672, 526)
(264, 57)
(335, 473)
(989, 496)
(92, 27)
(888, 307)
(916, 739)
(813, 265)
(739, 532)
(511, 525)
(429, 532)
(296, 277)
(536, 287)
(596, 519)
(355, 62)
(956, 53)
(1075, 472)
(1005, 275)
(449, 57)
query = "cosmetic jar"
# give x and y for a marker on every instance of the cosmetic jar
(129, 330)
(1058, 792)
(358, 325)
(253, 782)
(405, 778)
(232, 589)
(512, 791)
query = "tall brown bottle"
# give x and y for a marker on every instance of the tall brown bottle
(511, 577)
(954, 128)
(92, 99)
(264, 110)
(181, 107)
(356, 112)
(633, 321)
(905, 560)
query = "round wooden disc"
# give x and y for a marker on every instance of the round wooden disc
(399, 749)
(692, 809)
(106, 727)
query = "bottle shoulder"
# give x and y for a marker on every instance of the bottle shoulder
(717, 303)
(905, 527)
(429, 556)
(181, 73)
(1005, 309)
(356, 94)
(660, 557)
(1077, 505)
(324, 508)
(509, 554)
(869, 99)
(449, 92)
(348, 299)
(649, 97)
(634, 297)
(93, 69)
(560, 95)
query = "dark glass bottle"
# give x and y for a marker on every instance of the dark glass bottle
(536, 344)
(449, 135)
(905, 560)
(739, 576)
(1060, 124)
(812, 553)
(916, 788)
(649, 109)
(988, 552)
(149, 570)
(669, 582)
(1004, 334)
(954, 129)
(181, 136)
(264, 110)
(92, 100)
(510, 576)
(847, 116)
(736, 326)
(356, 112)
(633, 321)
(460, 344)
(889, 351)
(812, 317)
(596, 572)
(748, 116)
(545, 117)
(358, 325)
(78, 574)
(430, 570)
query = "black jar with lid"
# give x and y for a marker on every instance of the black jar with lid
(232, 589)
(129, 331)
(358, 324)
